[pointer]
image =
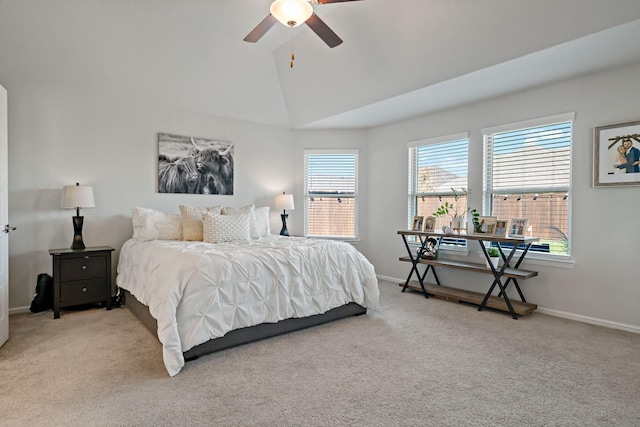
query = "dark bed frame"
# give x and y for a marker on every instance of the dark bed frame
(245, 335)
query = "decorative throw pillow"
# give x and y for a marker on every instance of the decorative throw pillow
(250, 209)
(150, 224)
(225, 228)
(262, 221)
(192, 220)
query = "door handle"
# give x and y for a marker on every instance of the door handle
(8, 228)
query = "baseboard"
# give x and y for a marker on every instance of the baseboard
(590, 320)
(19, 310)
(557, 313)
(390, 279)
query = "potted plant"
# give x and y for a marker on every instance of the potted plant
(458, 219)
(494, 256)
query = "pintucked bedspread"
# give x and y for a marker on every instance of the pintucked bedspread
(197, 291)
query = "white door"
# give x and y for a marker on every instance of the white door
(4, 222)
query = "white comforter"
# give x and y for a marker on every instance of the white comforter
(198, 291)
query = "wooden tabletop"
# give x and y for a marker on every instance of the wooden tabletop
(471, 236)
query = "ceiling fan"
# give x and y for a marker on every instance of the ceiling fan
(293, 13)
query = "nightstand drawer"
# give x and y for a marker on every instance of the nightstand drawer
(82, 268)
(83, 291)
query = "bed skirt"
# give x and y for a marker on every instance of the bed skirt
(244, 335)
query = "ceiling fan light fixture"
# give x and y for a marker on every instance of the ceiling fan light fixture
(291, 12)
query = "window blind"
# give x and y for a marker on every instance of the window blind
(528, 175)
(434, 170)
(441, 167)
(331, 190)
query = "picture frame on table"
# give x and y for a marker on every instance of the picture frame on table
(485, 225)
(501, 228)
(518, 227)
(429, 223)
(616, 155)
(418, 223)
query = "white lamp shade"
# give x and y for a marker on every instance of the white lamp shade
(77, 196)
(284, 202)
(291, 12)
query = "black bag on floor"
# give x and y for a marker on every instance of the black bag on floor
(43, 299)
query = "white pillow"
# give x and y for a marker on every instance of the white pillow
(150, 224)
(262, 221)
(192, 220)
(249, 209)
(225, 228)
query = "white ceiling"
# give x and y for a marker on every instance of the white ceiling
(399, 58)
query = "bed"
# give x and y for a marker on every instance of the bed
(200, 297)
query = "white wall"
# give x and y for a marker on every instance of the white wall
(603, 286)
(59, 136)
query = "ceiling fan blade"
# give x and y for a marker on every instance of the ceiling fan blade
(323, 31)
(331, 1)
(261, 29)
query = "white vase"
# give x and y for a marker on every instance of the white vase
(495, 260)
(458, 223)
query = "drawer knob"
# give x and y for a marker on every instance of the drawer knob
(84, 267)
(84, 289)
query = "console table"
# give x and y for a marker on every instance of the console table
(510, 270)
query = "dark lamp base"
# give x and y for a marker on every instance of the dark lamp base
(284, 231)
(77, 233)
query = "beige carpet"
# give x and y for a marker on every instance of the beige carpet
(416, 362)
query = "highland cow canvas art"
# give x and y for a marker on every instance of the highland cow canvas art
(192, 165)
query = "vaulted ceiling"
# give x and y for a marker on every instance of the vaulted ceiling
(400, 58)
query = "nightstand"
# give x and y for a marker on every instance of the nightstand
(81, 276)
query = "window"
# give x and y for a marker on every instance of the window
(436, 166)
(331, 193)
(528, 175)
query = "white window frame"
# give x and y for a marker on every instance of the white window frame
(355, 196)
(413, 177)
(488, 183)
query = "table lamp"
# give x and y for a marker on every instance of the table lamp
(76, 197)
(284, 202)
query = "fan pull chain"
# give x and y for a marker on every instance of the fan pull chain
(293, 56)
